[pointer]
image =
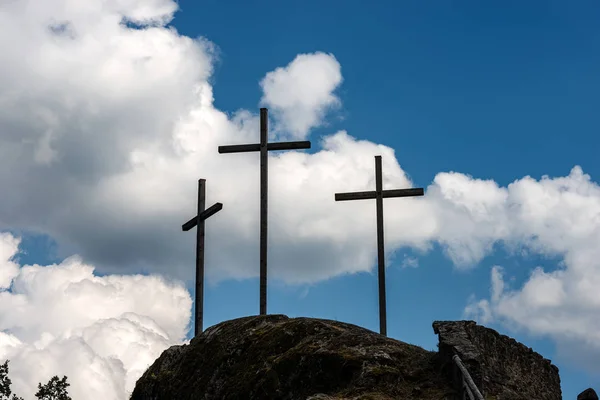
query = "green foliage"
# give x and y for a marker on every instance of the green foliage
(5, 383)
(55, 389)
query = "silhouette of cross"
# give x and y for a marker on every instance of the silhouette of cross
(198, 221)
(264, 147)
(379, 194)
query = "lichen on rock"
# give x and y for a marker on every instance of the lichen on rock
(281, 358)
(276, 357)
(502, 368)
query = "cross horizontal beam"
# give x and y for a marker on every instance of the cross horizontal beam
(243, 148)
(379, 194)
(263, 147)
(384, 193)
(203, 216)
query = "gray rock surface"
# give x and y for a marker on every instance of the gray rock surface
(502, 368)
(276, 357)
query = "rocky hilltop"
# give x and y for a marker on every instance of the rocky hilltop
(276, 357)
(501, 367)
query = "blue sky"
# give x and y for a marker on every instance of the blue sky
(492, 92)
(467, 75)
(497, 92)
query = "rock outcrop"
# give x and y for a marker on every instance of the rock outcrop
(276, 357)
(502, 368)
(588, 394)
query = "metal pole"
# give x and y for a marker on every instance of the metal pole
(263, 208)
(198, 323)
(380, 247)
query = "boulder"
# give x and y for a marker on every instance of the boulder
(276, 357)
(501, 367)
(588, 394)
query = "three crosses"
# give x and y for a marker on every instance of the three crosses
(264, 146)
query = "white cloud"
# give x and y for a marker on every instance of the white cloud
(8, 248)
(554, 217)
(410, 262)
(116, 126)
(111, 127)
(102, 332)
(302, 92)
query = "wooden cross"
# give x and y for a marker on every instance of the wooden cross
(379, 194)
(198, 221)
(263, 147)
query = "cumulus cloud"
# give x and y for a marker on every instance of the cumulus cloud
(8, 247)
(110, 127)
(554, 217)
(102, 332)
(301, 93)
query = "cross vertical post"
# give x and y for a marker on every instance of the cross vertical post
(200, 229)
(380, 248)
(264, 147)
(198, 221)
(379, 194)
(264, 199)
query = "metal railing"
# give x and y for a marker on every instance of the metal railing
(468, 389)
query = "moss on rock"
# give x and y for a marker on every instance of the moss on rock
(276, 357)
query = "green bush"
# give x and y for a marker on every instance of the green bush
(55, 389)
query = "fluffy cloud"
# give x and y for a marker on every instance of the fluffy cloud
(102, 332)
(301, 93)
(111, 126)
(8, 247)
(553, 217)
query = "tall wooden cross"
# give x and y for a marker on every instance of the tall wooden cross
(379, 194)
(264, 146)
(198, 221)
